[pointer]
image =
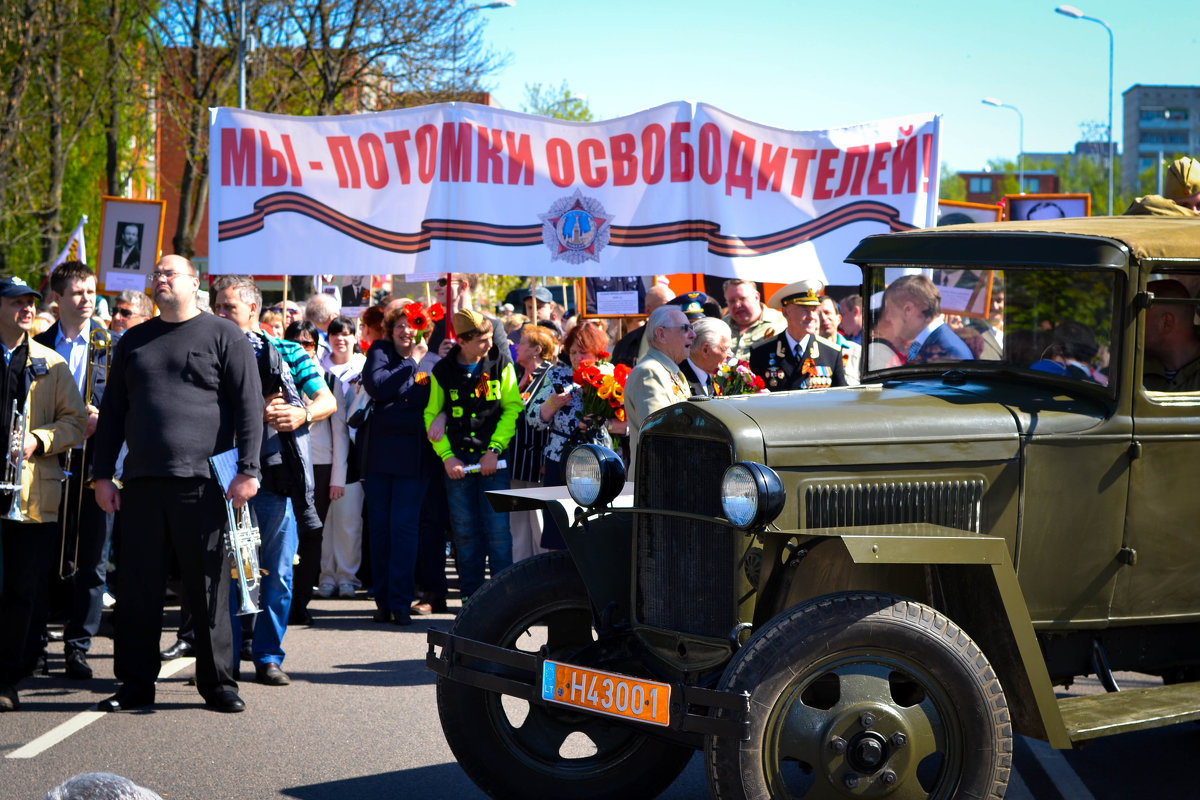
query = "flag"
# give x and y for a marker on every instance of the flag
(75, 249)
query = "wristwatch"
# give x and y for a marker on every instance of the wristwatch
(494, 449)
(307, 415)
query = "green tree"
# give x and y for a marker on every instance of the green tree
(951, 186)
(556, 102)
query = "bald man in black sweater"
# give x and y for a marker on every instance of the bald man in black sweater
(182, 387)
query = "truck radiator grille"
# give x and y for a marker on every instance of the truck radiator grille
(685, 568)
(954, 504)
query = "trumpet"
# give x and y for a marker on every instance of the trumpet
(99, 351)
(14, 462)
(241, 543)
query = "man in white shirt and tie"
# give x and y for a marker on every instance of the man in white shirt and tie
(712, 348)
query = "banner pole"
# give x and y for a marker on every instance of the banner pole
(450, 307)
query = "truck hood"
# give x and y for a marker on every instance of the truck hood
(907, 421)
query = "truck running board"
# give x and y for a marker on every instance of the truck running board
(1092, 716)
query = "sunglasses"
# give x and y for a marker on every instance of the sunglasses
(124, 313)
(308, 345)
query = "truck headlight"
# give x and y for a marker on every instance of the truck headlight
(595, 475)
(751, 494)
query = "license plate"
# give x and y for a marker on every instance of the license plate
(606, 693)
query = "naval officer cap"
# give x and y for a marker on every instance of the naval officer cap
(696, 305)
(804, 292)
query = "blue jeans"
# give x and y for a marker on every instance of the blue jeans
(479, 532)
(393, 519)
(277, 527)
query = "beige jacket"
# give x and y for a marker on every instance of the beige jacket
(655, 382)
(57, 418)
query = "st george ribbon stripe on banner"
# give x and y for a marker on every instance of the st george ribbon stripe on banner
(530, 235)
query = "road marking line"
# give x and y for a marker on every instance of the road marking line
(84, 718)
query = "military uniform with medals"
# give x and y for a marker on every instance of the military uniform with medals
(809, 362)
(782, 369)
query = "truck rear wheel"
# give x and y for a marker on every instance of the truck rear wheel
(864, 695)
(515, 749)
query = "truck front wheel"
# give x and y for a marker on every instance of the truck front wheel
(512, 748)
(864, 695)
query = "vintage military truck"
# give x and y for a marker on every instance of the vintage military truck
(867, 591)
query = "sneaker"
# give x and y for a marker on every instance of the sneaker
(8, 699)
(107, 600)
(347, 591)
(325, 590)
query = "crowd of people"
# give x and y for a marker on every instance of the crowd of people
(363, 446)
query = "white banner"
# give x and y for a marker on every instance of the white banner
(469, 188)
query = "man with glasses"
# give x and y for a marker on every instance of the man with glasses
(656, 382)
(296, 394)
(132, 308)
(182, 388)
(798, 358)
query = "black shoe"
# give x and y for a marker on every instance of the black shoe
(271, 675)
(180, 649)
(382, 615)
(124, 701)
(77, 665)
(227, 702)
(401, 618)
(300, 618)
(248, 650)
(8, 699)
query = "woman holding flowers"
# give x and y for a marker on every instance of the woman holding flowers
(399, 461)
(578, 404)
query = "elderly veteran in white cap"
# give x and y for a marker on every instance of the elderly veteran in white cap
(798, 358)
(1181, 193)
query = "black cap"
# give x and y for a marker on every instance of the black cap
(696, 305)
(15, 287)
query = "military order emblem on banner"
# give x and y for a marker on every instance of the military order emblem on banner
(575, 229)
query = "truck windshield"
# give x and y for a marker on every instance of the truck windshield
(1053, 321)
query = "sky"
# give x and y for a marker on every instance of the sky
(802, 65)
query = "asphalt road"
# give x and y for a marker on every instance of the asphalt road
(359, 721)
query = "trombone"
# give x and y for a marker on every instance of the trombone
(14, 462)
(100, 344)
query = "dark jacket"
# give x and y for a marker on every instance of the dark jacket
(775, 362)
(396, 443)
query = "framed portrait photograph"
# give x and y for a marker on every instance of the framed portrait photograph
(1047, 206)
(957, 212)
(130, 241)
(616, 296)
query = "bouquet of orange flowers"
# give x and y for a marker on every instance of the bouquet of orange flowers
(737, 379)
(603, 387)
(421, 319)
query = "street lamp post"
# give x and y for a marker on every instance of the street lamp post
(1075, 13)
(991, 101)
(468, 10)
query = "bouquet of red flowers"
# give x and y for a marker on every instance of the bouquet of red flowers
(737, 379)
(421, 319)
(603, 387)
